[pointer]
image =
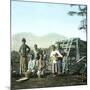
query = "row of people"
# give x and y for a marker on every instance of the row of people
(36, 63)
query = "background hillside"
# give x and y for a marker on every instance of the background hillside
(41, 41)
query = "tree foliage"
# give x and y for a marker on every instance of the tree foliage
(82, 11)
(15, 57)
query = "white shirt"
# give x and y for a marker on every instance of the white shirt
(31, 65)
(53, 53)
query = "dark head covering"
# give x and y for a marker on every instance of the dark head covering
(23, 40)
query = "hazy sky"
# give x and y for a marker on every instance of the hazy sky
(43, 18)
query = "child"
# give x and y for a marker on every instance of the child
(41, 65)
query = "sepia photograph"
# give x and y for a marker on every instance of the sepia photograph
(48, 44)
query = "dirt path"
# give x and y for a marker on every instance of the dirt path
(49, 81)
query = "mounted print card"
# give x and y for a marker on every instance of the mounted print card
(48, 44)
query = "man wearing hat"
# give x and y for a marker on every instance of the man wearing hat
(24, 51)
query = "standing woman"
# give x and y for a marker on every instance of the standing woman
(55, 54)
(24, 51)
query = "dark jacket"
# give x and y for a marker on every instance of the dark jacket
(24, 50)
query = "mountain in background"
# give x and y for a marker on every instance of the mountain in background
(41, 41)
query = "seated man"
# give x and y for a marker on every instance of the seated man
(31, 69)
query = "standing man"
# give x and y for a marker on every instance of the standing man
(45, 57)
(36, 54)
(59, 61)
(36, 51)
(55, 54)
(24, 51)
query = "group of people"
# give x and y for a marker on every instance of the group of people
(33, 62)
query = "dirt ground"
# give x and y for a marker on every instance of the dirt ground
(48, 81)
